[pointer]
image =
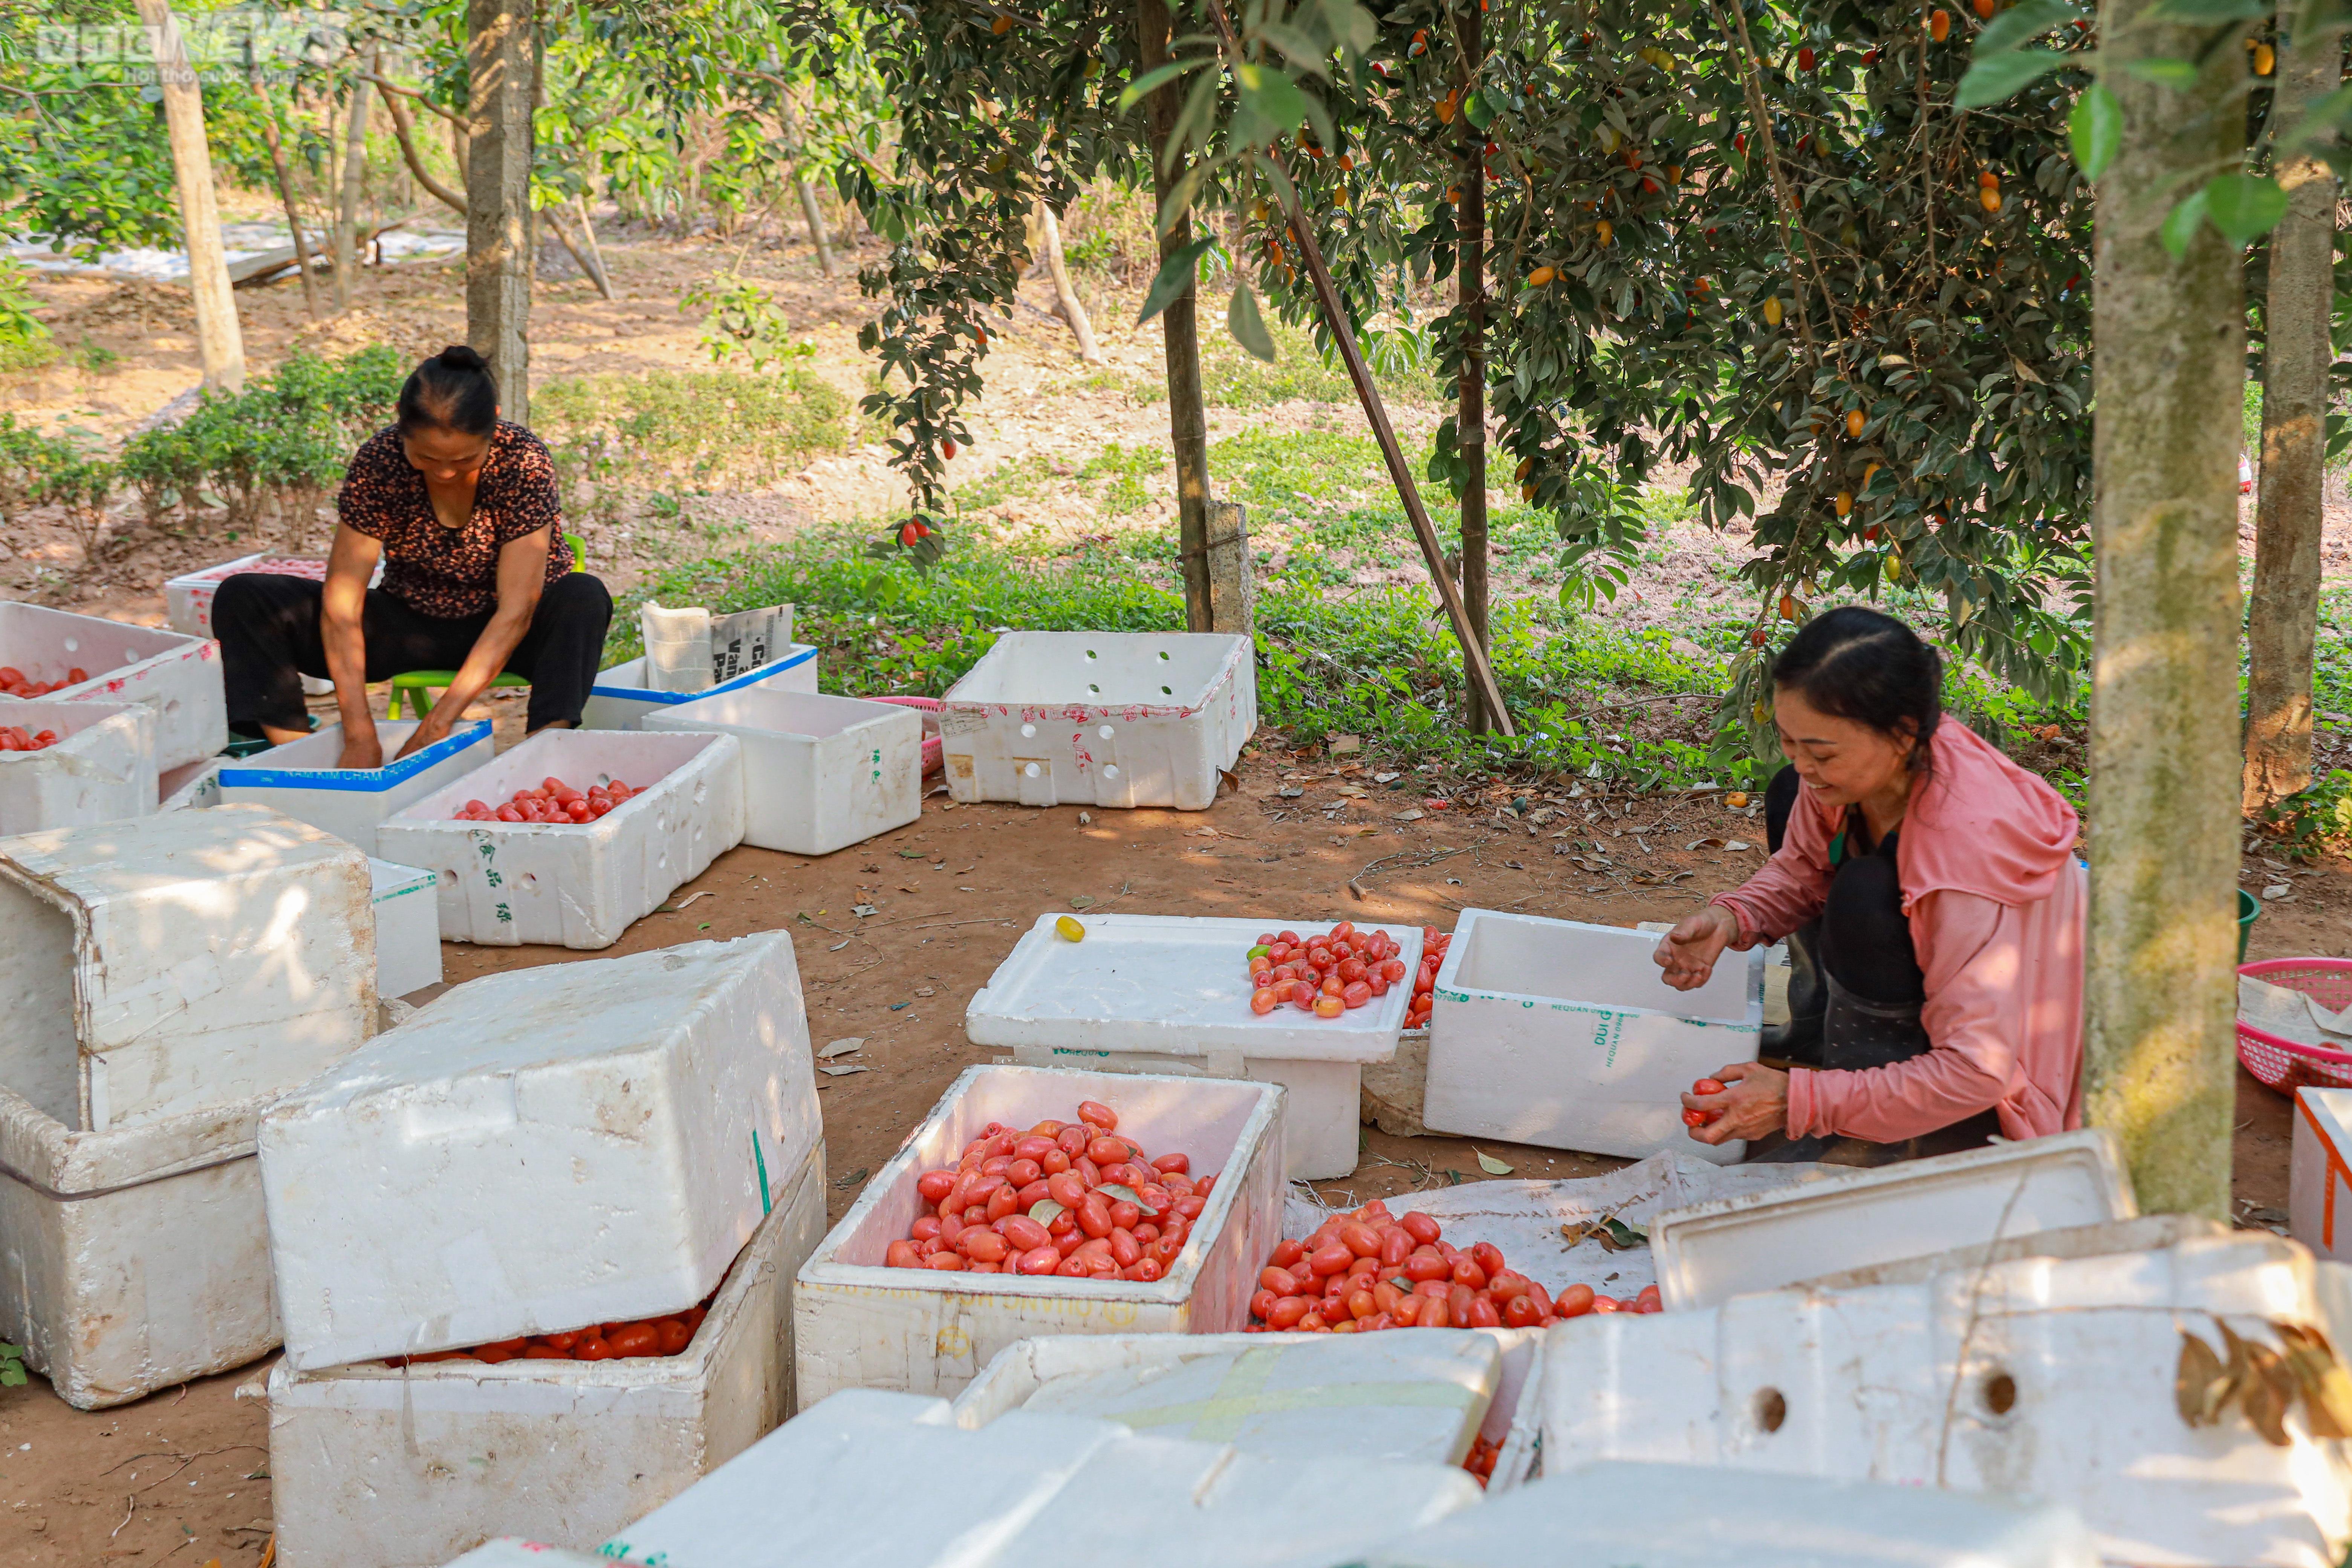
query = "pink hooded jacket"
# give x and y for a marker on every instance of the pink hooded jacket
(1996, 902)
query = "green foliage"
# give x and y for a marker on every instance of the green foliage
(741, 317)
(286, 439)
(698, 424)
(12, 1366)
(66, 470)
(2318, 821)
(19, 328)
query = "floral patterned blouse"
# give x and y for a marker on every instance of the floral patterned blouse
(449, 573)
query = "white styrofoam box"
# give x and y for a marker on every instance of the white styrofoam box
(2048, 1376)
(575, 884)
(378, 1467)
(188, 598)
(635, 1108)
(819, 772)
(1685, 1516)
(2318, 1173)
(407, 927)
(132, 1260)
(863, 1325)
(100, 769)
(176, 675)
(304, 779)
(1123, 719)
(621, 697)
(832, 1488)
(1561, 1033)
(179, 961)
(1761, 1241)
(513, 1552)
(190, 786)
(1171, 995)
(1408, 1397)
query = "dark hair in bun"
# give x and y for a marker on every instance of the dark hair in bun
(1856, 663)
(451, 391)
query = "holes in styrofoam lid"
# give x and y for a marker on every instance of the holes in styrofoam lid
(1999, 1391)
(530, 880)
(1104, 732)
(1167, 691)
(448, 878)
(1090, 653)
(73, 645)
(1163, 656)
(661, 861)
(1110, 770)
(1770, 1408)
(1028, 731)
(1095, 689)
(171, 706)
(1029, 770)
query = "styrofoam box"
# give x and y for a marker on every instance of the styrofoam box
(1686, 1515)
(100, 769)
(832, 1488)
(377, 1466)
(176, 675)
(1171, 995)
(629, 1107)
(190, 786)
(180, 961)
(1561, 1033)
(1422, 1396)
(1761, 1241)
(2319, 1182)
(407, 927)
(132, 1260)
(513, 1552)
(303, 779)
(188, 598)
(620, 698)
(2047, 1376)
(819, 772)
(575, 884)
(862, 1325)
(1121, 719)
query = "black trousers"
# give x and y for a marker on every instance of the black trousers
(269, 632)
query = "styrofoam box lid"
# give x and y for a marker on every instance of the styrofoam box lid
(1175, 984)
(310, 566)
(45, 643)
(764, 711)
(1695, 1516)
(627, 681)
(309, 763)
(67, 719)
(391, 881)
(1737, 1247)
(1374, 1397)
(1147, 674)
(1540, 962)
(145, 854)
(831, 1487)
(1211, 1120)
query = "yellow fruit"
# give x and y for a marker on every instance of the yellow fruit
(1605, 229)
(1070, 929)
(1939, 25)
(1991, 200)
(1853, 424)
(1789, 611)
(1260, 211)
(1527, 467)
(1541, 276)
(1987, 180)
(1674, 173)
(1346, 161)
(1772, 311)
(1736, 800)
(1844, 503)
(1000, 27)
(1527, 492)
(1866, 473)
(2265, 57)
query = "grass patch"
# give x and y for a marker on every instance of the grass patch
(1232, 378)
(700, 425)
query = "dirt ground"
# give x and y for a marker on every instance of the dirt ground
(182, 1477)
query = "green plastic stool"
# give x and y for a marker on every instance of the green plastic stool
(419, 686)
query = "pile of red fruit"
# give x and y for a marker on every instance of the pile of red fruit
(1326, 975)
(1068, 1198)
(14, 738)
(14, 684)
(553, 801)
(597, 1342)
(1701, 1117)
(1434, 943)
(1481, 1462)
(1368, 1270)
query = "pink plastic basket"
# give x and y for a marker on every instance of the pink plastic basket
(930, 706)
(2282, 1064)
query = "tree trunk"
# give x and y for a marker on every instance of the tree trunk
(801, 181)
(584, 259)
(595, 251)
(1049, 237)
(293, 213)
(501, 50)
(2160, 1068)
(347, 215)
(1188, 418)
(220, 345)
(1470, 415)
(2282, 618)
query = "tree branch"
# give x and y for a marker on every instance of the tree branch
(454, 200)
(451, 115)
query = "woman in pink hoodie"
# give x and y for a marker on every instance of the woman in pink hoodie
(1935, 882)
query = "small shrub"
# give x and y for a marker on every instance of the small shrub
(2313, 822)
